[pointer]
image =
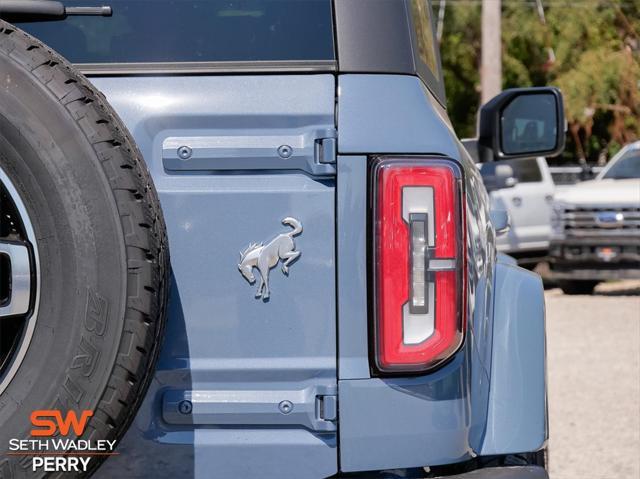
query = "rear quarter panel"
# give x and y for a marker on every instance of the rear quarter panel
(438, 418)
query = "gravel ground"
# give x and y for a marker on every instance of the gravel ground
(594, 382)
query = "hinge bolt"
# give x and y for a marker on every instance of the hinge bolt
(285, 407)
(285, 151)
(184, 152)
(185, 407)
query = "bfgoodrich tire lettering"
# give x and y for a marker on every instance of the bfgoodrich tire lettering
(101, 242)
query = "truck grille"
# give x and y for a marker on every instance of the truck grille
(601, 221)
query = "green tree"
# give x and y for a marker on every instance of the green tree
(589, 48)
(460, 52)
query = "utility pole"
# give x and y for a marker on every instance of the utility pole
(491, 69)
(440, 27)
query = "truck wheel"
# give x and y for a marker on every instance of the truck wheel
(578, 287)
(83, 253)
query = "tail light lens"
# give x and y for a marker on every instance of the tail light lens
(419, 263)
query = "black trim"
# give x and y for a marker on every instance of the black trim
(381, 38)
(177, 68)
(375, 38)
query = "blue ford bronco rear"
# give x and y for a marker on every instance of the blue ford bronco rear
(333, 304)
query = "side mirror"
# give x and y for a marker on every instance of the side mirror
(497, 176)
(522, 123)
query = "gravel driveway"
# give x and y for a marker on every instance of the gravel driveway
(594, 382)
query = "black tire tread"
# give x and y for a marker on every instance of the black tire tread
(141, 218)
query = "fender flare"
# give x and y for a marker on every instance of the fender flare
(517, 410)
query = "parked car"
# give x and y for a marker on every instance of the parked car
(529, 201)
(596, 226)
(523, 188)
(334, 301)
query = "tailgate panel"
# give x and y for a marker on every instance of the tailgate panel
(232, 186)
(256, 338)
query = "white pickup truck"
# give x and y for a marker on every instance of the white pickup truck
(524, 188)
(529, 202)
(596, 226)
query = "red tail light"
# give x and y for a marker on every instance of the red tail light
(419, 256)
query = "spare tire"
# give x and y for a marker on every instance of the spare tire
(83, 253)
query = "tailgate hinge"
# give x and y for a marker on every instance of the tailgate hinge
(327, 407)
(326, 149)
(314, 407)
(312, 149)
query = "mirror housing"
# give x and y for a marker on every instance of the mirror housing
(497, 176)
(522, 123)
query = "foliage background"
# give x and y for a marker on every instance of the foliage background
(589, 48)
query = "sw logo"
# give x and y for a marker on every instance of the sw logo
(47, 423)
(50, 448)
(42, 419)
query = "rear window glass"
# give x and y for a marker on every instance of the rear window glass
(168, 31)
(425, 47)
(425, 38)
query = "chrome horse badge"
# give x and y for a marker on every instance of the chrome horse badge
(264, 257)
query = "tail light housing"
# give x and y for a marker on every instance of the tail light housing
(419, 257)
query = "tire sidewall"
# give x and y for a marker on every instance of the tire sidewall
(80, 242)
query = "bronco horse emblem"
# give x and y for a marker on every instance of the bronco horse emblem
(265, 257)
